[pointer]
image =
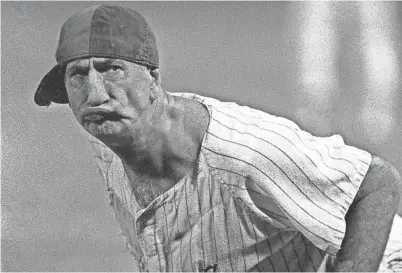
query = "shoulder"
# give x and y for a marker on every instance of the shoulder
(195, 117)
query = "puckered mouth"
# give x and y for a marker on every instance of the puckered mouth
(99, 114)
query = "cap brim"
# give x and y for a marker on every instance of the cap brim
(51, 88)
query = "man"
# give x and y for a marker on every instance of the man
(201, 185)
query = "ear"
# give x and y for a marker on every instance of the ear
(156, 75)
(155, 83)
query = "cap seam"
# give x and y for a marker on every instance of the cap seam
(142, 45)
(91, 30)
(146, 41)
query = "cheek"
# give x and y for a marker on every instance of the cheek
(76, 100)
(138, 96)
(76, 94)
(76, 111)
(76, 115)
(129, 93)
(139, 90)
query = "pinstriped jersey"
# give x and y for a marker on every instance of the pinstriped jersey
(264, 195)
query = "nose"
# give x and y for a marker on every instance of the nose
(97, 93)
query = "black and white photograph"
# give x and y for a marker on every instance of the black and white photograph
(201, 136)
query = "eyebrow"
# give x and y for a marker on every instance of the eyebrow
(108, 62)
(83, 64)
(76, 65)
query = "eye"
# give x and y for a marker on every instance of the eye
(75, 77)
(76, 72)
(114, 68)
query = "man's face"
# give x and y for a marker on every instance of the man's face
(108, 96)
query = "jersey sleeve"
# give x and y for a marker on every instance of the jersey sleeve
(319, 177)
(332, 174)
(298, 179)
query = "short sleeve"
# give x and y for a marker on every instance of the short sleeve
(298, 179)
(318, 179)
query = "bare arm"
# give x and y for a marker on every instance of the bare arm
(369, 219)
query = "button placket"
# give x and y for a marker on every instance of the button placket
(152, 245)
(146, 232)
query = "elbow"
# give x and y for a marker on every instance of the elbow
(396, 185)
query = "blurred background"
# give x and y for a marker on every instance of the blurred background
(332, 67)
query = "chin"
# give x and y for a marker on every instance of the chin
(106, 130)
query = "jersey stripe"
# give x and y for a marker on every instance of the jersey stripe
(221, 235)
(212, 215)
(191, 230)
(241, 234)
(296, 256)
(309, 254)
(168, 236)
(255, 246)
(224, 215)
(270, 248)
(201, 227)
(175, 200)
(156, 246)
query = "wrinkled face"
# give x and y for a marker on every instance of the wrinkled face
(108, 96)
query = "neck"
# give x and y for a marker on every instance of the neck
(166, 148)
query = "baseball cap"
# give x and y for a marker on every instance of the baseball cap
(99, 31)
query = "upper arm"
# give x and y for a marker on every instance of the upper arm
(369, 219)
(381, 176)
